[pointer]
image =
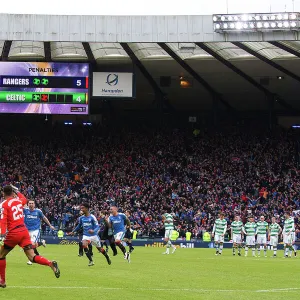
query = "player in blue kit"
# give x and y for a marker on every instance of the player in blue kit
(33, 218)
(90, 226)
(117, 222)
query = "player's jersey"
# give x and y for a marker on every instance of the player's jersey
(118, 223)
(250, 228)
(220, 226)
(11, 212)
(237, 227)
(32, 218)
(289, 225)
(170, 225)
(261, 227)
(274, 229)
(88, 223)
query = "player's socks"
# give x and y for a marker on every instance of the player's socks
(2, 270)
(217, 249)
(221, 249)
(91, 249)
(265, 252)
(233, 250)
(88, 254)
(275, 251)
(246, 251)
(239, 249)
(258, 250)
(114, 248)
(253, 251)
(130, 246)
(119, 244)
(41, 260)
(80, 252)
(106, 255)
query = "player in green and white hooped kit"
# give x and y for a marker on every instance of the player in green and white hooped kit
(273, 233)
(236, 235)
(249, 230)
(261, 238)
(218, 233)
(169, 227)
(288, 230)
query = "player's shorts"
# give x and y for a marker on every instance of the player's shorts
(128, 234)
(250, 240)
(261, 239)
(103, 234)
(119, 236)
(94, 240)
(288, 239)
(34, 235)
(14, 238)
(237, 238)
(168, 233)
(219, 238)
(274, 241)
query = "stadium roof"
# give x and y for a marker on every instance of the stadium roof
(74, 51)
(203, 59)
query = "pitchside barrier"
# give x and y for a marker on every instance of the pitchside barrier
(155, 243)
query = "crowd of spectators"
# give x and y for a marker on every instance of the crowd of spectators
(148, 172)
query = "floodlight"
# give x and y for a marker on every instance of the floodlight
(293, 16)
(273, 17)
(266, 25)
(286, 24)
(279, 25)
(265, 18)
(218, 26)
(273, 24)
(245, 25)
(293, 24)
(259, 25)
(252, 25)
(223, 18)
(236, 18)
(286, 16)
(257, 18)
(232, 25)
(225, 25)
(230, 18)
(215, 18)
(245, 18)
(238, 25)
(279, 17)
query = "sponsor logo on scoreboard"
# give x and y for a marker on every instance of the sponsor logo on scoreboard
(113, 84)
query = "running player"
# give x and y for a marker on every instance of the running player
(287, 233)
(105, 235)
(32, 219)
(117, 223)
(80, 235)
(236, 234)
(90, 227)
(273, 233)
(218, 233)
(128, 234)
(12, 222)
(261, 231)
(169, 227)
(249, 230)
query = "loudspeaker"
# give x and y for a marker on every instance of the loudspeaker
(165, 81)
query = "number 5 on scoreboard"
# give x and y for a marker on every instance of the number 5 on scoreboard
(79, 82)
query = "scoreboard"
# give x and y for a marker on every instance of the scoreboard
(44, 88)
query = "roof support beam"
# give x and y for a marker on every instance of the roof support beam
(267, 61)
(89, 52)
(5, 50)
(285, 48)
(196, 76)
(162, 97)
(270, 96)
(47, 49)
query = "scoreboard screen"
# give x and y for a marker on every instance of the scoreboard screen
(44, 88)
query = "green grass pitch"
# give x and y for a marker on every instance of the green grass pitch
(187, 274)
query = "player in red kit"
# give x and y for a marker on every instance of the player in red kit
(12, 223)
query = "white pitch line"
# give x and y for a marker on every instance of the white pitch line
(157, 289)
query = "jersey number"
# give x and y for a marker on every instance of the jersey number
(17, 212)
